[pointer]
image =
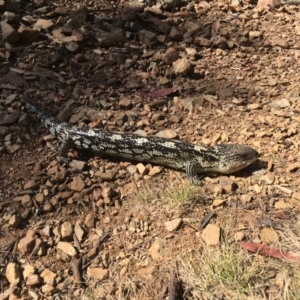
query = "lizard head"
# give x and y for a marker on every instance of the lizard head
(234, 157)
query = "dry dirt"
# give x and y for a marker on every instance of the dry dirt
(103, 228)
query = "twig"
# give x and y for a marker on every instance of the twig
(145, 242)
(76, 267)
(175, 289)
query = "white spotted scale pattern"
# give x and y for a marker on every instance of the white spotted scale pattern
(193, 158)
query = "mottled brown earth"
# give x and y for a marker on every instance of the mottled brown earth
(103, 228)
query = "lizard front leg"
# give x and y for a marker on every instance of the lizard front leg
(191, 171)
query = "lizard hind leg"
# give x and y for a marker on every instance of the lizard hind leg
(63, 151)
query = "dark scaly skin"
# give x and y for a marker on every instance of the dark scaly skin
(192, 158)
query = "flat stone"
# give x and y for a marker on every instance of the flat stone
(281, 204)
(239, 236)
(226, 93)
(235, 3)
(157, 249)
(90, 221)
(26, 244)
(65, 113)
(8, 16)
(45, 24)
(15, 79)
(128, 189)
(80, 57)
(66, 231)
(79, 232)
(191, 27)
(108, 175)
(201, 41)
(65, 195)
(27, 269)
(72, 46)
(170, 56)
(175, 119)
(33, 280)
(60, 176)
(132, 226)
(97, 194)
(39, 197)
(192, 52)
(132, 169)
(296, 196)
(9, 34)
(154, 171)
(158, 102)
(48, 289)
(147, 37)
(282, 103)
(211, 235)
(246, 198)
(182, 66)
(173, 225)
(142, 169)
(155, 9)
(132, 84)
(175, 35)
(30, 185)
(254, 34)
(268, 235)
(125, 103)
(13, 273)
(47, 230)
(167, 133)
(8, 119)
(107, 192)
(67, 248)
(13, 149)
(34, 295)
(254, 106)
(48, 277)
(97, 273)
(77, 184)
(15, 220)
(218, 202)
(120, 118)
(268, 178)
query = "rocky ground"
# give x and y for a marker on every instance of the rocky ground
(104, 228)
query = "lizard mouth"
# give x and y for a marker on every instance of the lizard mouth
(241, 166)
